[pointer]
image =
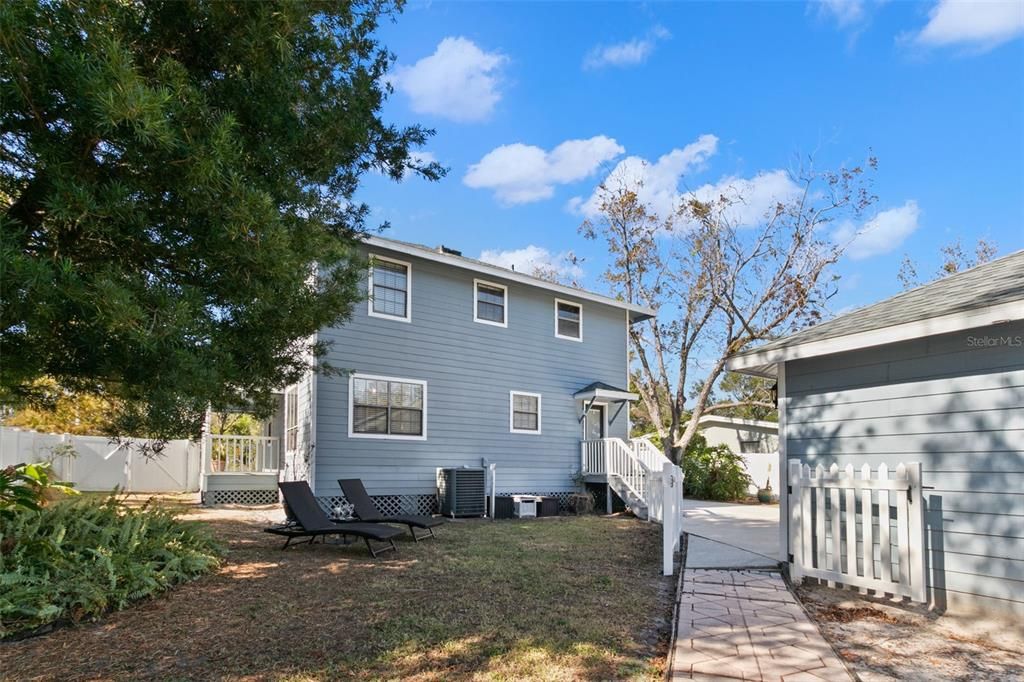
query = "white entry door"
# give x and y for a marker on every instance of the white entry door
(594, 424)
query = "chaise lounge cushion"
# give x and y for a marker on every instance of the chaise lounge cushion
(365, 510)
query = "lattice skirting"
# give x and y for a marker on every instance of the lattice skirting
(247, 497)
(338, 507)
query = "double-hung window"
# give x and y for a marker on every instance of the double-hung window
(291, 419)
(524, 412)
(390, 286)
(383, 407)
(490, 303)
(568, 320)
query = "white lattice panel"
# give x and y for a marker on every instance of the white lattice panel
(243, 497)
(338, 507)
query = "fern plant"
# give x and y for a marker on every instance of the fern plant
(78, 558)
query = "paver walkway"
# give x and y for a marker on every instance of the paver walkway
(746, 625)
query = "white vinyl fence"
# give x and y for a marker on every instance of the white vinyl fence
(865, 532)
(666, 506)
(99, 465)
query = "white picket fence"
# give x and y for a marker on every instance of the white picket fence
(97, 464)
(665, 504)
(865, 532)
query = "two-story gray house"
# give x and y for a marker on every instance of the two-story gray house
(451, 362)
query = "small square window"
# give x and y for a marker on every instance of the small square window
(568, 320)
(524, 412)
(490, 303)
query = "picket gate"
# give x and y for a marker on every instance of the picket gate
(865, 532)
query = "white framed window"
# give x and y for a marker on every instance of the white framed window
(291, 419)
(568, 320)
(390, 288)
(490, 303)
(524, 412)
(387, 407)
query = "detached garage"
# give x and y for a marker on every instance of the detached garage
(935, 376)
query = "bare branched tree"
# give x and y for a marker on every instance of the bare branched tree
(719, 284)
(953, 260)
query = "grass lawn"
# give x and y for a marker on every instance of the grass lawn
(560, 598)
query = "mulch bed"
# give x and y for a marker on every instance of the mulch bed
(560, 598)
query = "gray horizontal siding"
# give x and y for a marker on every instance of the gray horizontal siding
(956, 409)
(469, 369)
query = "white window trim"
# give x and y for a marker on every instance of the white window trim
(293, 393)
(476, 308)
(383, 436)
(512, 412)
(408, 290)
(572, 303)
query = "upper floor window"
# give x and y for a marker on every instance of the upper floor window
(382, 407)
(390, 288)
(524, 412)
(568, 320)
(490, 303)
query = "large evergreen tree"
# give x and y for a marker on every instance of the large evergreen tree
(171, 175)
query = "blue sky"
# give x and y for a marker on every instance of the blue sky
(535, 104)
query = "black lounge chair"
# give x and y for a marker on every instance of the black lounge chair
(364, 509)
(308, 520)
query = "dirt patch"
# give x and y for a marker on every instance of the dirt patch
(885, 641)
(560, 598)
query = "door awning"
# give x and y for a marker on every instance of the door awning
(602, 391)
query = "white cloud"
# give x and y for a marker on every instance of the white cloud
(982, 25)
(459, 81)
(882, 234)
(629, 53)
(532, 258)
(752, 198)
(657, 183)
(845, 12)
(520, 173)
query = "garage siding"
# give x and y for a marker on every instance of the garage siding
(953, 402)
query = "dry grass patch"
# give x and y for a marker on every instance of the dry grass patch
(561, 598)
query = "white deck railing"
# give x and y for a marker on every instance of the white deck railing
(242, 454)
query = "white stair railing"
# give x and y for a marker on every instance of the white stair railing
(654, 481)
(630, 463)
(649, 454)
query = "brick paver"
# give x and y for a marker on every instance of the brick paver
(746, 625)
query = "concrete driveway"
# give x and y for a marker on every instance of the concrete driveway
(725, 535)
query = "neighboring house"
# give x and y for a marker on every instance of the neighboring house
(934, 375)
(755, 440)
(452, 362)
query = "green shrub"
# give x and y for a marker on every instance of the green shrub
(26, 487)
(77, 558)
(713, 472)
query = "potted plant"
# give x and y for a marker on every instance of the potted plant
(764, 495)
